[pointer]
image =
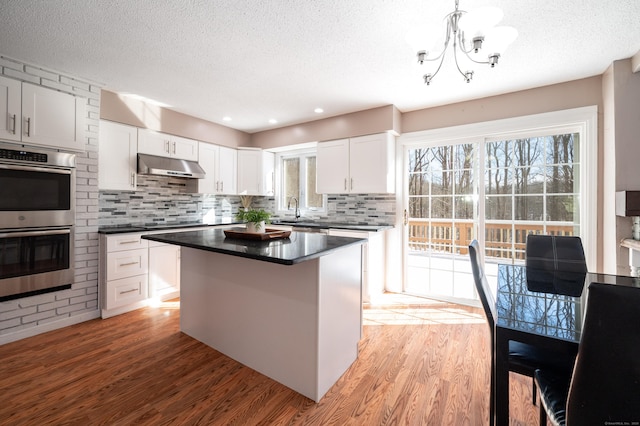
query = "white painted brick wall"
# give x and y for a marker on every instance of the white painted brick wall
(32, 315)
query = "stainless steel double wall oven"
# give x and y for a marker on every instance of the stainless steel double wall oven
(37, 217)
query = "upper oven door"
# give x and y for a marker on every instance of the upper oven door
(32, 196)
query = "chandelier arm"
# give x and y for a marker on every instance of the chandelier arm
(439, 65)
(473, 60)
(455, 57)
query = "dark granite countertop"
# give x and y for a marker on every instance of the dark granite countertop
(299, 247)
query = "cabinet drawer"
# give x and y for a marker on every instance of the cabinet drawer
(127, 264)
(126, 291)
(125, 242)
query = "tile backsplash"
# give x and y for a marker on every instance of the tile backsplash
(168, 200)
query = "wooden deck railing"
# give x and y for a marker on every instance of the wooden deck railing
(501, 239)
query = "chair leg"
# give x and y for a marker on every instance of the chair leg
(543, 415)
(535, 390)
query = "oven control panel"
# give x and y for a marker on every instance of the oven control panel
(14, 154)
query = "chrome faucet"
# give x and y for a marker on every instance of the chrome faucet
(297, 210)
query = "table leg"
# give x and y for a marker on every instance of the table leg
(502, 380)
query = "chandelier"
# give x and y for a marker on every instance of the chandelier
(473, 34)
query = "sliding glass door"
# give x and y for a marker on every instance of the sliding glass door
(496, 190)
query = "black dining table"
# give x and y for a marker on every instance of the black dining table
(541, 308)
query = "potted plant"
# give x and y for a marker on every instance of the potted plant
(255, 219)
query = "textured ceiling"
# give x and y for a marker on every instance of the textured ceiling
(256, 60)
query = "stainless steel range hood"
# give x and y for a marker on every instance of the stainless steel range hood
(154, 165)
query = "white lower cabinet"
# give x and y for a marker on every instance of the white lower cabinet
(164, 271)
(123, 273)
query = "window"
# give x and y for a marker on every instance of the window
(298, 179)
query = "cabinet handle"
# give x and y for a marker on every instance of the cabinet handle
(217, 186)
(129, 291)
(29, 126)
(166, 147)
(345, 184)
(13, 120)
(129, 264)
(128, 242)
(222, 186)
(352, 184)
(174, 147)
(133, 179)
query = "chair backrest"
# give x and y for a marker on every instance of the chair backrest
(605, 386)
(555, 253)
(482, 285)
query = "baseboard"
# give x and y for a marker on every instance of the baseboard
(43, 328)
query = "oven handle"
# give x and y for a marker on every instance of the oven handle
(35, 169)
(35, 233)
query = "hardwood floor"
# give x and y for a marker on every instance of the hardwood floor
(425, 363)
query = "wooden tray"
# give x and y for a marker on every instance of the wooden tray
(269, 234)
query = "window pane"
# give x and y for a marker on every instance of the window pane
(529, 208)
(498, 208)
(419, 207)
(314, 200)
(291, 167)
(419, 184)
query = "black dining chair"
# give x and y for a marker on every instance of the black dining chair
(555, 253)
(605, 385)
(523, 359)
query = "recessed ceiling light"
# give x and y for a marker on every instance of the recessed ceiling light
(227, 118)
(273, 121)
(318, 110)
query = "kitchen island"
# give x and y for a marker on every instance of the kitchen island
(288, 308)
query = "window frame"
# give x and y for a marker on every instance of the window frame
(281, 203)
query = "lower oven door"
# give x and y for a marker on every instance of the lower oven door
(33, 260)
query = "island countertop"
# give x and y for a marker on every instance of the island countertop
(298, 247)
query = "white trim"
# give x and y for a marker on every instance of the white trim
(583, 120)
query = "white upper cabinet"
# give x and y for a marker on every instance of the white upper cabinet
(10, 109)
(39, 116)
(117, 156)
(220, 166)
(360, 165)
(165, 145)
(255, 172)
(332, 167)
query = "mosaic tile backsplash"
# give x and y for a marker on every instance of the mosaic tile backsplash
(166, 200)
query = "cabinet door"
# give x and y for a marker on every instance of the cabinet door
(117, 160)
(153, 143)
(208, 160)
(183, 148)
(164, 271)
(371, 164)
(249, 171)
(51, 118)
(228, 171)
(268, 173)
(332, 167)
(10, 109)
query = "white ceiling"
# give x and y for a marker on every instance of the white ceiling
(262, 59)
